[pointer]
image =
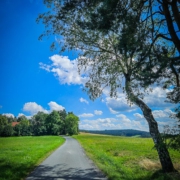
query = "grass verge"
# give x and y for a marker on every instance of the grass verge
(126, 158)
(20, 155)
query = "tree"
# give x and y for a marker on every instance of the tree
(38, 123)
(7, 131)
(3, 123)
(11, 119)
(163, 18)
(25, 127)
(3, 120)
(17, 129)
(171, 136)
(21, 118)
(53, 123)
(72, 124)
(63, 115)
(115, 45)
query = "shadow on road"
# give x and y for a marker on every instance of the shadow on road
(63, 173)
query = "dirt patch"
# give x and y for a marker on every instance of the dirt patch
(155, 165)
(149, 164)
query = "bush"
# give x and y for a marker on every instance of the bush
(7, 131)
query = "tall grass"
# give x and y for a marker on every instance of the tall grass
(125, 158)
(20, 155)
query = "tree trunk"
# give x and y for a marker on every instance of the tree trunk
(163, 153)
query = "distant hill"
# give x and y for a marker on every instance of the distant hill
(122, 132)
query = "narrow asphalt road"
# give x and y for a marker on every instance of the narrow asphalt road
(68, 162)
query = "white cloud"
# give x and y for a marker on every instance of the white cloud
(98, 124)
(33, 108)
(138, 116)
(157, 98)
(127, 123)
(86, 126)
(106, 120)
(102, 100)
(123, 117)
(8, 115)
(83, 100)
(122, 122)
(140, 125)
(96, 112)
(163, 118)
(55, 106)
(160, 114)
(112, 111)
(20, 114)
(45, 67)
(86, 115)
(65, 70)
(119, 104)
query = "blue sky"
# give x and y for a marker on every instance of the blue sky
(33, 78)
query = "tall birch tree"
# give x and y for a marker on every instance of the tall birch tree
(115, 47)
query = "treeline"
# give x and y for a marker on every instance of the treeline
(55, 123)
(124, 132)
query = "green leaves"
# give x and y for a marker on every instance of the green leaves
(72, 122)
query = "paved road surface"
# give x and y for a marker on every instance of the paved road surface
(68, 162)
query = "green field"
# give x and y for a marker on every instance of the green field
(127, 158)
(19, 155)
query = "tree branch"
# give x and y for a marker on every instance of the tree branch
(171, 30)
(176, 12)
(176, 75)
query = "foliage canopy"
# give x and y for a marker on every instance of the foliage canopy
(55, 123)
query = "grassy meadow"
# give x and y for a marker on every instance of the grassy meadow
(127, 158)
(20, 155)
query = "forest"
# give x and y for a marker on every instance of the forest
(120, 132)
(55, 123)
